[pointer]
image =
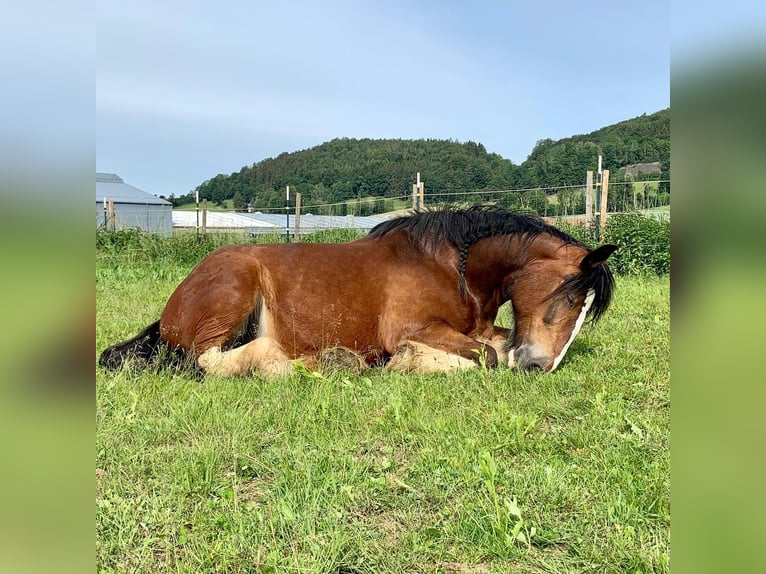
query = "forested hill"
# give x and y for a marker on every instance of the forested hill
(344, 168)
(644, 139)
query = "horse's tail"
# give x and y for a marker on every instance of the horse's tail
(143, 346)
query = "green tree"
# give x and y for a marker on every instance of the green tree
(239, 201)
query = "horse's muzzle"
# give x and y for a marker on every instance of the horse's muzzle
(530, 358)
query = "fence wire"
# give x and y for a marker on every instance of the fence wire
(362, 214)
(556, 202)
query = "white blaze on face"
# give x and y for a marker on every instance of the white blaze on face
(578, 325)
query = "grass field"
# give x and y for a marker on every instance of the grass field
(481, 472)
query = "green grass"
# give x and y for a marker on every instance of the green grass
(484, 471)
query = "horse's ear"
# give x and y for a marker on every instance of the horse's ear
(597, 257)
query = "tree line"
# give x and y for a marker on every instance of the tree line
(345, 169)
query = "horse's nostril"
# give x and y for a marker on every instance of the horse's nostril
(533, 365)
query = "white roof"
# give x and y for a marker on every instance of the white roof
(111, 187)
(230, 219)
(218, 219)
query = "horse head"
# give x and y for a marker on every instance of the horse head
(551, 297)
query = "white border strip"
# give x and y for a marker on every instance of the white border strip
(578, 325)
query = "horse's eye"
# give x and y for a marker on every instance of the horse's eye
(570, 300)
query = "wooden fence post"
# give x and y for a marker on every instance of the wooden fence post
(604, 193)
(597, 228)
(297, 235)
(588, 198)
(112, 218)
(418, 195)
(204, 217)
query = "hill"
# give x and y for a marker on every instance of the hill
(344, 169)
(644, 139)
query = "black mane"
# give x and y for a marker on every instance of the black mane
(464, 227)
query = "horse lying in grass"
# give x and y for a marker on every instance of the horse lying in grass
(418, 293)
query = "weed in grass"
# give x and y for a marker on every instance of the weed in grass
(507, 522)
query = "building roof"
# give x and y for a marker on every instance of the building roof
(635, 169)
(111, 187)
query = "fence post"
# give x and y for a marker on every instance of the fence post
(604, 194)
(588, 198)
(204, 217)
(297, 235)
(287, 213)
(597, 228)
(418, 195)
(112, 218)
(196, 202)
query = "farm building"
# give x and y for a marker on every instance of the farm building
(133, 208)
(636, 169)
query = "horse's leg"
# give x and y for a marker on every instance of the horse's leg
(262, 355)
(414, 357)
(222, 302)
(440, 348)
(498, 341)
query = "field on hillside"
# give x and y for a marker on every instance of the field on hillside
(478, 472)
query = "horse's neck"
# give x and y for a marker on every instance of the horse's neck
(493, 262)
(499, 255)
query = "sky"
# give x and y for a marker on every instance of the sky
(186, 90)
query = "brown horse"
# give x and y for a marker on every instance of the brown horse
(418, 293)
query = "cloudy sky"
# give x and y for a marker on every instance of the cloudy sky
(187, 89)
